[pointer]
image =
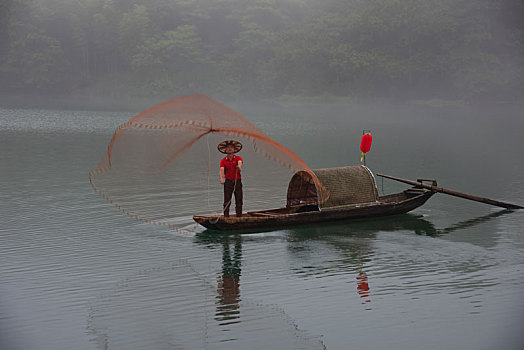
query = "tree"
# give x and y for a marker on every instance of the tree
(36, 61)
(171, 62)
(31, 59)
(133, 30)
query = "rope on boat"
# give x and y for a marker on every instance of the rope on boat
(208, 182)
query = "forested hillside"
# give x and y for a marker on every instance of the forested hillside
(402, 49)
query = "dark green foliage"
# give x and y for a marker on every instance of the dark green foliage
(407, 49)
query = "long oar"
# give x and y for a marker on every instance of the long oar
(435, 188)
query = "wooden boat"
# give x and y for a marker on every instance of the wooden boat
(351, 194)
(394, 204)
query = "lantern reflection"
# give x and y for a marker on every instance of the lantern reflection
(363, 287)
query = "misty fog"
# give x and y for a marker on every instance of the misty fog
(439, 82)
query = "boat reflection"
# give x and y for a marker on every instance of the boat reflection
(313, 247)
(472, 222)
(404, 222)
(352, 242)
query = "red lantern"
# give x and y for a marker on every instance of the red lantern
(365, 145)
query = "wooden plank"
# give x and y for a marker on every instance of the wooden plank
(265, 214)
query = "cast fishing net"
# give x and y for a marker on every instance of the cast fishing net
(173, 307)
(162, 165)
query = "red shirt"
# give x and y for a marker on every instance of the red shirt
(230, 166)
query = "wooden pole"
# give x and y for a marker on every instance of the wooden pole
(454, 193)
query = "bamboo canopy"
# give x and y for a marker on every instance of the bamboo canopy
(347, 185)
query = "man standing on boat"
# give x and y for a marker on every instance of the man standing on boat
(230, 177)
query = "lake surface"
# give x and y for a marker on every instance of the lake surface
(76, 273)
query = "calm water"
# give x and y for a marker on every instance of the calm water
(75, 273)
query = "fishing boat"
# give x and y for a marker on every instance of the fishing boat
(352, 194)
(147, 152)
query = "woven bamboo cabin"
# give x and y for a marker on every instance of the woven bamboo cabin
(341, 186)
(344, 193)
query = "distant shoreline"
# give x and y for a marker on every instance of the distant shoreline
(136, 105)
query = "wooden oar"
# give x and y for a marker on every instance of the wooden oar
(435, 188)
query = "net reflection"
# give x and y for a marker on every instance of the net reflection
(228, 281)
(243, 323)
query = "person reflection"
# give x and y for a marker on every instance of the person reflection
(228, 288)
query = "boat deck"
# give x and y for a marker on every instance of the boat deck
(392, 198)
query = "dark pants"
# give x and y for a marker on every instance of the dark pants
(229, 188)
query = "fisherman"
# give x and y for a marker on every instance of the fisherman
(230, 168)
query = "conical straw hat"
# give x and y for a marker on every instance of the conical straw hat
(223, 145)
